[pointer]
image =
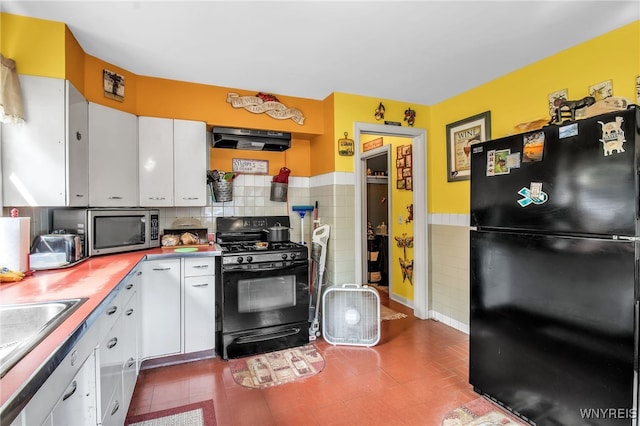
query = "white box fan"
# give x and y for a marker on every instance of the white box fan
(351, 315)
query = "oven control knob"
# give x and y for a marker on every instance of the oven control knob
(239, 259)
(249, 259)
(292, 255)
(284, 256)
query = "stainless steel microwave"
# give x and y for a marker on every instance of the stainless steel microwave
(107, 231)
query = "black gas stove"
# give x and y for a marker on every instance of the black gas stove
(262, 290)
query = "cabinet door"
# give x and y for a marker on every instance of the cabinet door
(160, 308)
(77, 148)
(190, 163)
(113, 157)
(111, 360)
(77, 406)
(130, 319)
(155, 167)
(198, 313)
(33, 154)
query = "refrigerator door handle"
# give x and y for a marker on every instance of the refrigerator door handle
(625, 238)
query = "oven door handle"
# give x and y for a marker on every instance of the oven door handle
(274, 268)
(267, 336)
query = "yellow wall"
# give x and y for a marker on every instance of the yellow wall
(36, 45)
(521, 96)
(355, 108)
(400, 200)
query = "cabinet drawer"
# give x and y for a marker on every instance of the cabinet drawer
(115, 308)
(198, 266)
(111, 357)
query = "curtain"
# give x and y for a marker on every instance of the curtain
(11, 109)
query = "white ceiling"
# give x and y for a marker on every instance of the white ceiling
(418, 52)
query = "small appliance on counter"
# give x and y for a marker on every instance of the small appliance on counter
(55, 250)
(110, 230)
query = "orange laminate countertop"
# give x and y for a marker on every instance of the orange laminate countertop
(93, 279)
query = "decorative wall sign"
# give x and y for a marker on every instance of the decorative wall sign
(406, 265)
(601, 90)
(255, 167)
(345, 145)
(461, 135)
(379, 113)
(267, 104)
(375, 143)
(410, 116)
(113, 85)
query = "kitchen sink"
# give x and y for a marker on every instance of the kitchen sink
(23, 326)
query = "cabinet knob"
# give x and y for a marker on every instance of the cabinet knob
(112, 343)
(112, 310)
(115, 197)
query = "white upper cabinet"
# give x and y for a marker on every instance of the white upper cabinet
(44, 160)
(173, 162)
(190, 162)
(155, 166)
(113, 157)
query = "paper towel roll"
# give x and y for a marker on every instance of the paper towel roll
(15, 242)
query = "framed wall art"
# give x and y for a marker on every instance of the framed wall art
(113, 85)
(403, 167)
(461, 135)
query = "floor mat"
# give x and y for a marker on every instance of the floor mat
(276, 368)
(196, 414)
(480, 412)
(387, 313)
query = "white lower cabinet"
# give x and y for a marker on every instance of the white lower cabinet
(160, 305)
(114, 351)
(166, 307)
(198, 281)
(69, 395)
(177, 306)
(131, 337)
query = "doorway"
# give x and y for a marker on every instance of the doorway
(378, 200)
(420, 244)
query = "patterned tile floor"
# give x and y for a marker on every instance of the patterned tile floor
(416, 374)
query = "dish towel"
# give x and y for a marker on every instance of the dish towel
(11, 108)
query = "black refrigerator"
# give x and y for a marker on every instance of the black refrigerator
(554, 270)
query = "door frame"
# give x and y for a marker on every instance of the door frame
(420, 229)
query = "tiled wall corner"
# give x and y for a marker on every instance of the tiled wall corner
(449, 273)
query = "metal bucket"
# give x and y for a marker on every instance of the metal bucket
(278, 191)
(223, 191)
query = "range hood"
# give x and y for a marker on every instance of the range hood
(255, 140)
